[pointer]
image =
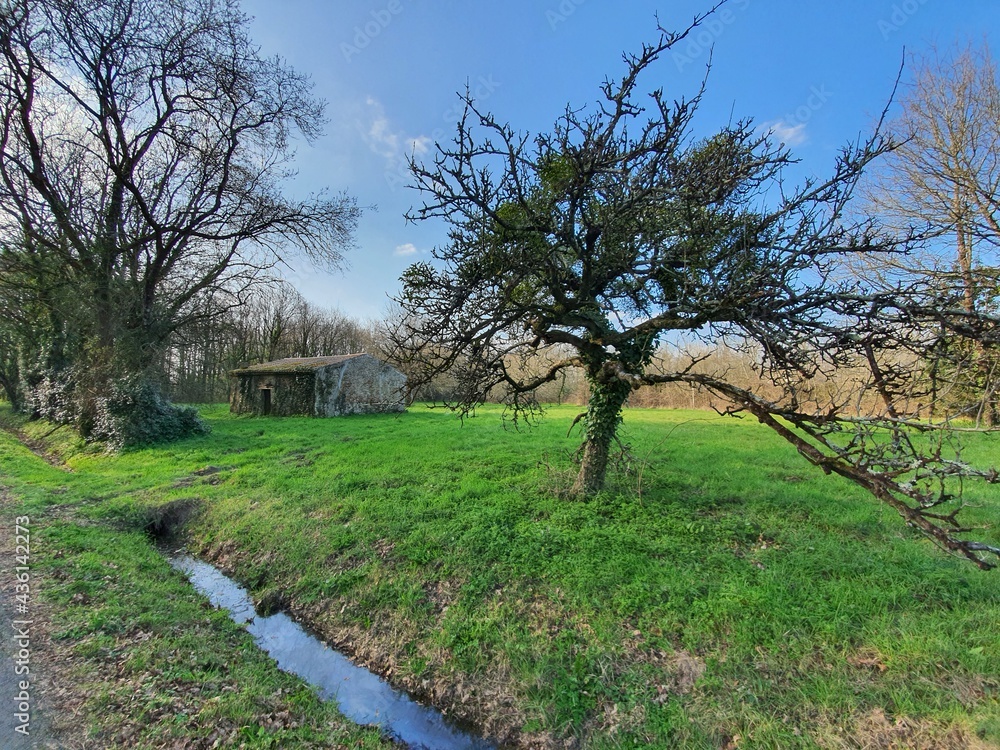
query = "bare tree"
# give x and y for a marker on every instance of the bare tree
(617, 229)
(143, 148)
(945, 179)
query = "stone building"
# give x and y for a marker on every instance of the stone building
(318, 386)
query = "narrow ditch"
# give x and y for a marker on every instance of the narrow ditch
(360, 695)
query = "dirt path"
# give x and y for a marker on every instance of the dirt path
(51, 722)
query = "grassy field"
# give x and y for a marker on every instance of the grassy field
(721, 594)
(128, 655)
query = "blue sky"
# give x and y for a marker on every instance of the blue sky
(817, 72)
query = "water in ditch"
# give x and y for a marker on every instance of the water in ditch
(360, 695)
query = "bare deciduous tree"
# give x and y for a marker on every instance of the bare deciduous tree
(143, 148)
(945, 179)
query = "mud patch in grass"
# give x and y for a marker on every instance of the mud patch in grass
(164, 522)
(876, 730)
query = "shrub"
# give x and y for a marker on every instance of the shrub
(52, 398)
(136, 413)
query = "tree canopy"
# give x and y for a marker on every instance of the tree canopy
(609, 236)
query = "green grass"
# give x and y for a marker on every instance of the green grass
(149, 663)
(159, 667)
(723, 591)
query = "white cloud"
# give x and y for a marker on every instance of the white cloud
(790, 135)
(392, 145)
(419, 145)
(377, 131)
(406, 250)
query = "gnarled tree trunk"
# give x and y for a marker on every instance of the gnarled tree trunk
(607, 397)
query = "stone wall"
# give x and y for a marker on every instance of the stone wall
(362, 385)
(291, 394)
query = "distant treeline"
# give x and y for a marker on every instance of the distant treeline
(277, 322)
(274, 323)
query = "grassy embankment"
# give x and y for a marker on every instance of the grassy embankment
(128, 654)
(729, 595)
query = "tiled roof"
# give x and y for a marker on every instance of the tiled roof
(296, 364)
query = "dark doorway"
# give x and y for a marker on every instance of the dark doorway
(265, 401)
